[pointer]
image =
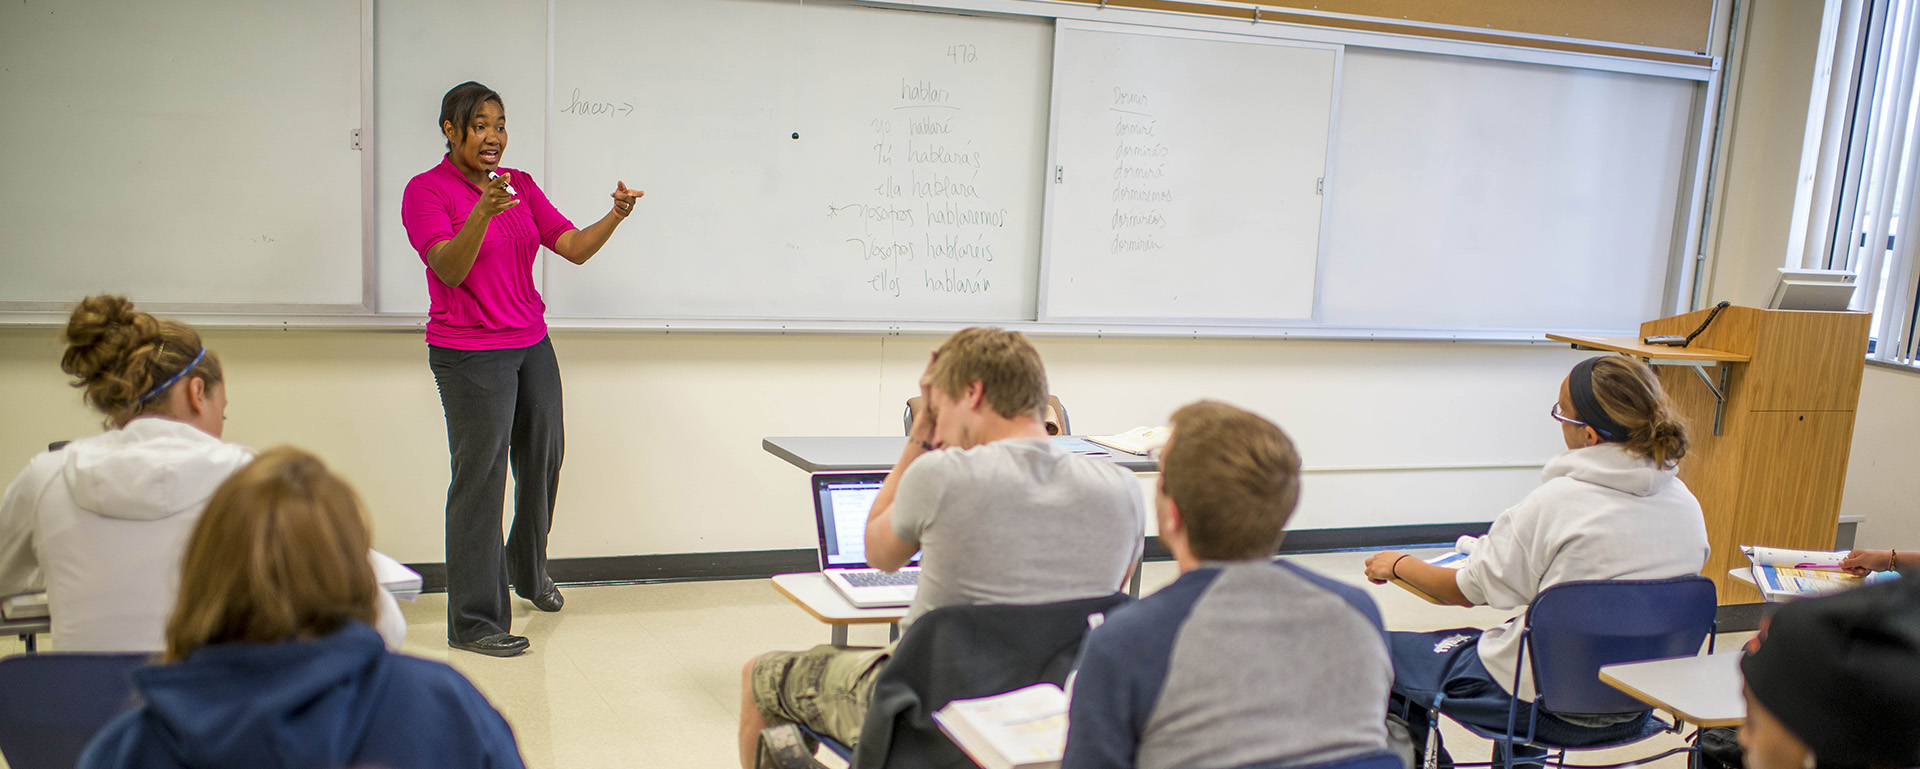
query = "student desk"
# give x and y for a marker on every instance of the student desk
(867, 453)
(858, 453)
(26, 628)
(819, 598)
(1703, 690)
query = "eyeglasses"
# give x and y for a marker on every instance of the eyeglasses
(1555, 413)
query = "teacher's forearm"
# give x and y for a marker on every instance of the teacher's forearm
(453, 259)
(578, 246)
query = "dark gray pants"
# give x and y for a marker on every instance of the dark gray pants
(503, 409)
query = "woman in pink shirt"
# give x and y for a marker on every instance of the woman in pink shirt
(478, 226)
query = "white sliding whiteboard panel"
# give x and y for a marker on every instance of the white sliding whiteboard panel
(181, 152)
(1481, 194)
(912, 192)
(1186, 169)
(421, 50)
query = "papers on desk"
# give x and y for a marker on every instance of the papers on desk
(1783, 575)
(1452, 560)
(1139, 441)
(402, 582)
(24, 606)
(1024, 728)
(1078, 445)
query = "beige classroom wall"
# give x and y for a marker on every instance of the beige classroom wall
(1882, 480)
(663, 432)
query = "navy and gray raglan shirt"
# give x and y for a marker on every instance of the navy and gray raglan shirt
(1235, 664)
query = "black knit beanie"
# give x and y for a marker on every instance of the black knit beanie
(1843, 674)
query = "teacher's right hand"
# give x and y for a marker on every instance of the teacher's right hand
(494, 197)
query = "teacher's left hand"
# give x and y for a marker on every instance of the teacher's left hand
(623, 199)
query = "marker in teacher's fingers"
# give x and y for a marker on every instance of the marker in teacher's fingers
(491, 175)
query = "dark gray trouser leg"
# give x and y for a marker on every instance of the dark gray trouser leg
(478, 389)
(538, 446)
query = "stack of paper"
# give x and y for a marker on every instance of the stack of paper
(1024, 728)
(24, 606)
(402, 582)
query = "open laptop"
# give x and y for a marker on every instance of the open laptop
(841, 503)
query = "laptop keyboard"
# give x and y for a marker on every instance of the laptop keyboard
(878, 578)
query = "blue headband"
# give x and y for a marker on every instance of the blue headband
(1580, 388)
(176, 377)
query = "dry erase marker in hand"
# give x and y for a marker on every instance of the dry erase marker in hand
(491, 175)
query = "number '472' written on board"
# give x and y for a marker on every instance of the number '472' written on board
(963, 53)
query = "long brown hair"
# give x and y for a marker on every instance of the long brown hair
(280, 554)
(118, 355)
(1630, 393)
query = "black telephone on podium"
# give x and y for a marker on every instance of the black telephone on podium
(1682, 341)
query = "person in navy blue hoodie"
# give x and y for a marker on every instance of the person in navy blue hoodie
(270, 659)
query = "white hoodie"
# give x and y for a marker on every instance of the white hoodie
(1601, 512)
(107, 519)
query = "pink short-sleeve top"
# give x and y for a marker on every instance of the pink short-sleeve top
(496, 307)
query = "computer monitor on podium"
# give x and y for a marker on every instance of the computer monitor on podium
(1824, 290)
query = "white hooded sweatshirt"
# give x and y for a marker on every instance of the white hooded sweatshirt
(1601, 512)
(102, 525)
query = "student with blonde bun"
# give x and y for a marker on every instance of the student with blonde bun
(100, 524)
(270, 660)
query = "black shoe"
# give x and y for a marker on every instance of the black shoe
(496, 645)
(548, 601)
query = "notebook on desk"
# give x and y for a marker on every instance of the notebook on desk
(841, 503)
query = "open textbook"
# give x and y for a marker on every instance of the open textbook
(1783, 575)
(1021, 729)
(1452, 560)
(1140, 440)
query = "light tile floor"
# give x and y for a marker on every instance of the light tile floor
(649, 675)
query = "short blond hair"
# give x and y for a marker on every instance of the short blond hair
(1235, 478)
(279, 555)
(1012, 380)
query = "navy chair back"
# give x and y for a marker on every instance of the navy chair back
(52, 705)
(1575, 628)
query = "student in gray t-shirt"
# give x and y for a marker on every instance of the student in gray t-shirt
(1241, 662)
(1000, 515)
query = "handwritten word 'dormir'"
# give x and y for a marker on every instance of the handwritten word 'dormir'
(579, 106)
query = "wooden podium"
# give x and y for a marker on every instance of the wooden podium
(1769, 398)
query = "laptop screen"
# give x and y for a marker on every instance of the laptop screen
(842, 503)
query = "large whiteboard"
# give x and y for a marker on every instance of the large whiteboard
(1479, 194)
(1464, 189)
(1187, 172)
(195, 152)
(913, 190)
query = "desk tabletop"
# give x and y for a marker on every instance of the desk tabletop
(817, 596)
(29, 626)
(1704, 690)
(880, 452)
(1633, 346)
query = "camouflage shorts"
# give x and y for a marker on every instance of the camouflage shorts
(825, 688)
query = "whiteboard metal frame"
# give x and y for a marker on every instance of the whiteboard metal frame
(365, 316)
(297, 319)
(1052, 167)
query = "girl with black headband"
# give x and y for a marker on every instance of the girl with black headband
(100, 523)
(1610, 507)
